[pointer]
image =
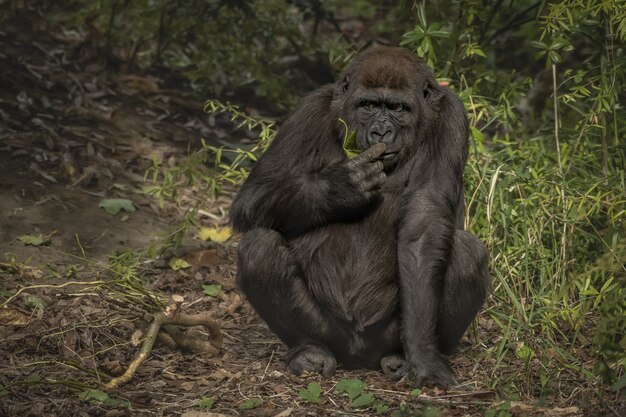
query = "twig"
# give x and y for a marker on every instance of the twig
(34, 287)
(171, 336)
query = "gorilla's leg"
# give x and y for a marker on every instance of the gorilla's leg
(271, 279)
(465, 287)
(464, 290)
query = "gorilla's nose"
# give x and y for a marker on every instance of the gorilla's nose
(384, 133)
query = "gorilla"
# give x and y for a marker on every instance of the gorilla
(364, 261)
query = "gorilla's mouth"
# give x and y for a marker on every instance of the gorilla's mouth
(388, 155)
(389, 160)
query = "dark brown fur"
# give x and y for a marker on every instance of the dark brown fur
(361, 261)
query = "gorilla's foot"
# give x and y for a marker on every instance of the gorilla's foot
(432, 368)
(313, 359)
(434, 371)
(395, 366)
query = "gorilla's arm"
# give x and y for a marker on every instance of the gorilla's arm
(426, 235)
(304, 180)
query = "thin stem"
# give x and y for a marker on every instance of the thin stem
(556, 117)
(564, 246)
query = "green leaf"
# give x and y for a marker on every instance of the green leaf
(363, 400)
(431, 412)
(94, 394)
(33, 302)
(619, 385)
(312, 393)
(538, 45)
(114, 205)
(33, 240)
(212, 290)
(353, 387)
(524, 353)
(97, 396)
(479, 52)
(416, 392)
(349, 141)
(403, 411)
(381, 408)
(178, 263)
(439, 34)
(477, 134)
(421, 16)
(491, 413)
(206, 402)
(250, 403)
(555, 58)
(215, 234)
(34, 379)
(558, 44)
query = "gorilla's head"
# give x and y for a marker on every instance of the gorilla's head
(388, 95)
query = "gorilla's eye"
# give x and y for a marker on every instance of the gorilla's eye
(395, 107)
(367, 105)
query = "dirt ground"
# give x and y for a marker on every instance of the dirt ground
(72, 133)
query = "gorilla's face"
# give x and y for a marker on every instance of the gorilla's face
(387, 116)
(391, 100)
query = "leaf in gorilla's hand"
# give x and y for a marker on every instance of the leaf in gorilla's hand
(349, 141)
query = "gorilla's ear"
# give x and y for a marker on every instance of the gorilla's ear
(432, 93)
(345, 84)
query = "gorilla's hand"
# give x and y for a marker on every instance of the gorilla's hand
(312, 359)
(364, 173)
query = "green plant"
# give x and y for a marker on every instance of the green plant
(311, 393)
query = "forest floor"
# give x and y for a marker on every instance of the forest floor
(74, 304)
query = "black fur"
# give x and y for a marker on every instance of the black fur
(358, 261)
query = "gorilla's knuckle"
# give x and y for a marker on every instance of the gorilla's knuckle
(356, 178)
(351, 164)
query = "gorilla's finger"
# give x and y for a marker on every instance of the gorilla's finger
(367, 171)
(369, 154)
(328, 367)
(374, 168)
(392, 363)
(376, 181)
(401, 372)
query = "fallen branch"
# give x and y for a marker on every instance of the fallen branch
(164, 328)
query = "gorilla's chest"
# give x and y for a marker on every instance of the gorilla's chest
(353, 266)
